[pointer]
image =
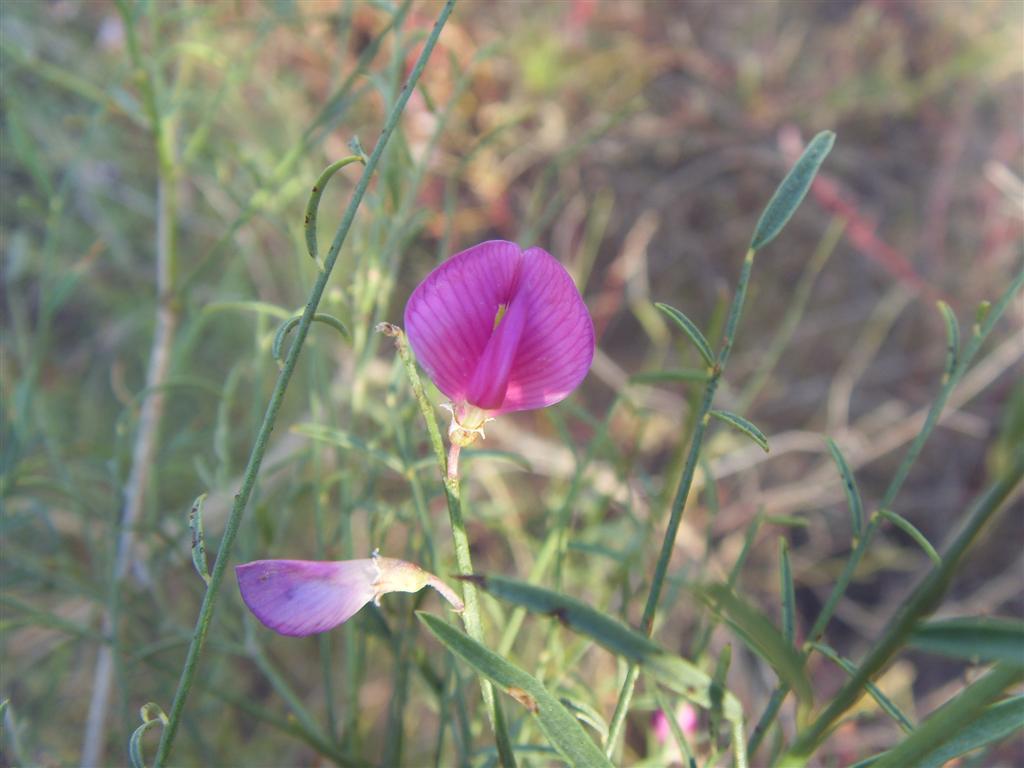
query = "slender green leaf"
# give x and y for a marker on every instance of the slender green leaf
(717, 691)
(743, 426)
(908, 528)
(287, 325)
(587, 715)
(346, 440)
(977, 639)
(950, 720)
(560, 727)
(691, 330)
(792, 190)
(195, 525)
(668, 711)
(849, 488)
(259, 307)
(748, 541)
(672, 671)
(760, 635)
(996, 723)
(313, 204)
(787, 591)
(952, 339)
(880, 698)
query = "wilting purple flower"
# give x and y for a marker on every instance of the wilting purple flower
(301, 597)
(499, 329)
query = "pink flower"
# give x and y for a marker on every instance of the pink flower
(301, 597)
(686, 716)
(499, 329)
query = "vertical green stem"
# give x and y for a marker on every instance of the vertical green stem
(682, 493)
(276, 398)
(453, 495)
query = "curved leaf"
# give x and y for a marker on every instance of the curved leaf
(562, 729)
(744, 426)
(792, 190)
(849, 488)
(691, 330)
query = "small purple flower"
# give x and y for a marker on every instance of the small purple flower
(301, 597)
(499, 329)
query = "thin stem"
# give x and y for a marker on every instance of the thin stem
(453, 495)
(921, 602)
(682, 493)
(276, 398)
(950, 381)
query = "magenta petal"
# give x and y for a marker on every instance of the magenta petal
(490, 379)
(450, 316)
(300, 597)
(557, 345)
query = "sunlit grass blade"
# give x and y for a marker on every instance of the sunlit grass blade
(758, 633)
(744, 426)
(850, 489)
(880, 698)
(976, 639)
(691, 330)
(951, 719)
(562, 729)
(792, 190)
(908, 528)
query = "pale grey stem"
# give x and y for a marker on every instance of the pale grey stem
(143, 456)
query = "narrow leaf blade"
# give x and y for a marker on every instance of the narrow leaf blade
(977, 639)
(853, 500)
(792, 190)
(691, 330)
(672, 671)
(560, 727)
(744, 426)
(760, 635)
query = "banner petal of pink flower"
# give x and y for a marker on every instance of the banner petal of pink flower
(501, 329)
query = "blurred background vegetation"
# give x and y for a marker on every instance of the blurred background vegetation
(638, 143)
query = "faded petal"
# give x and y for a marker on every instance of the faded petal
(301, 597)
